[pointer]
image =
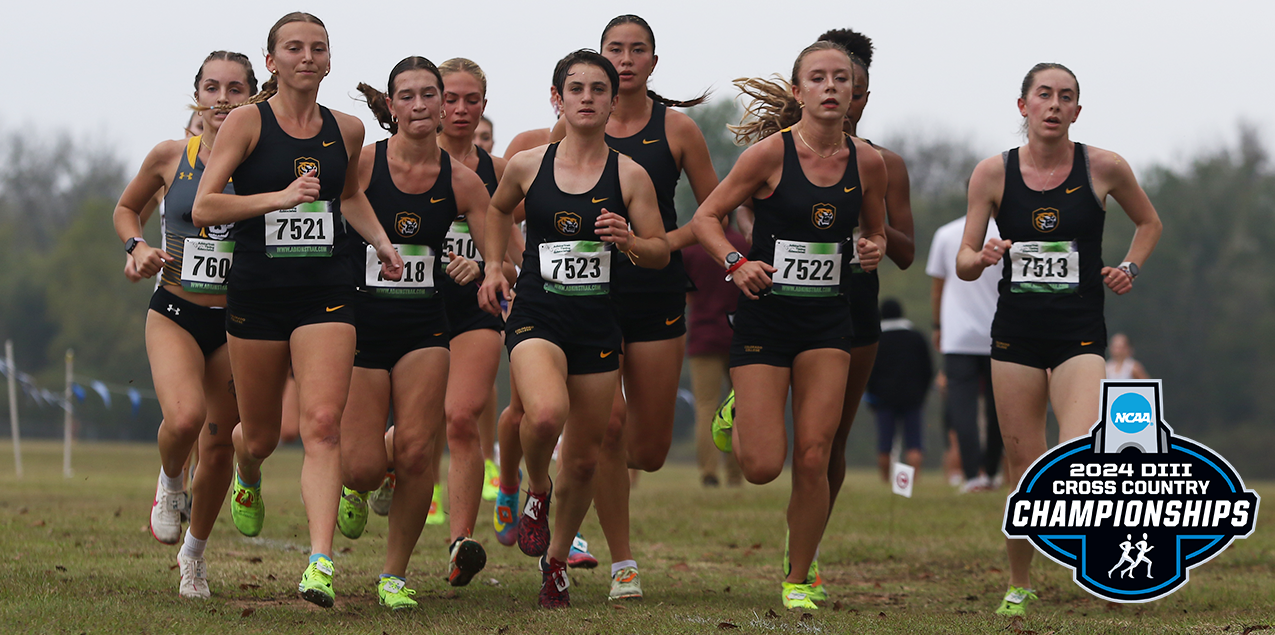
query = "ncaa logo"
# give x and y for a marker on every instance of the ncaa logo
(1131, 508)
(823, 215)
(407, 224)
(567, 223)
(306, 164)
(1045, 219)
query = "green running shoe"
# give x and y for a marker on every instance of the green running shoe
(817, 591)
(246, 507)
(351, 515)
(626, 585)
(436, 516)
(395, 594)
(380, 500)
(797, 596)
(1016, 600)
(316, 583)
(723, 421)
(491, 480)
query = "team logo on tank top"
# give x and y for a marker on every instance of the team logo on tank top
(1045, 219)
(216, 232)
(307, 164)
(567, 223)
(407, 224)
(823, 215)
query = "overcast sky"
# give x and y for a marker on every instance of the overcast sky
(1160, 80)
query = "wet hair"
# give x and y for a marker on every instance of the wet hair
(857, 44)
(376, 99)
(773, 108)
(271, 86)
(591, 58)
(462, 65)
(229, 57)
(629, 18)
(1030, 79)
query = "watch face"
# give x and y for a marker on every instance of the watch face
(733, 257)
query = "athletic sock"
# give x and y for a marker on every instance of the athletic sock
(386, 575)
(243, 484)
(171, 483)
(193, 547)
(512, 488)
(314, 557)
(615, 568)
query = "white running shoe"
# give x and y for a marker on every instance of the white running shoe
(979, 483)
(166, 516)
(194, 582)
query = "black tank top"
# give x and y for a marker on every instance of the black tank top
(176, 223)
(799, 211)
(864, 286)
(556, 218)
(486, 170)
(277, 161)
(409, 219)
(650, 149)
(1051, 283)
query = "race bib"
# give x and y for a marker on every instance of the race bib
(807, 270)
(576, 267)
(418, 273)
(855, 267)
(304, 231)
(461, 242)
(1044, 267)
(205, 264)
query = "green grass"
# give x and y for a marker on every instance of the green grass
(76, 557)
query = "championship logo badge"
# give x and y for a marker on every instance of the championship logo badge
(1045, 219)
(568, 224)
(407, 224)
(823, 215)
(307, 164)
(1131, 507)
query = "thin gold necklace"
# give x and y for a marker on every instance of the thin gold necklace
(1037, 168)
(812, 148)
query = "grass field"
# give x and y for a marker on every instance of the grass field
(77, 558)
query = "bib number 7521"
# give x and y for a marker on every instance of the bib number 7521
(304, 231)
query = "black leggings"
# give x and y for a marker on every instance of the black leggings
(967, 376)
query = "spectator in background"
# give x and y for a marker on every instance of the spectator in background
(708, 345)
(1121, 364)
(483, 135)
(899, 382)
(963, 313)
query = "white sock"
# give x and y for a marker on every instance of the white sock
(615, 568)
(193, 547)
(171, 483)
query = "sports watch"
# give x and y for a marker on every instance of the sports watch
(131, 244)
(1130, 268)
(733, 259)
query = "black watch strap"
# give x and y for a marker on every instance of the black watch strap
(131, 244)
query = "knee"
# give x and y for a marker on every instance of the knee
(413, 457)
(647, 457)
(186, 421)
(579, 468)
(362, 478)
(322, 426)
(810, 460)
(759, 470)
(543, 424)
(462, 429)
(614, 435)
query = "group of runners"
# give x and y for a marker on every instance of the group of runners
(383, 279)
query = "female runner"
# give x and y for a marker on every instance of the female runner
(185, 326)
(562, 335)
(295, 169)
(649, 304)
(1050, 191)
(416, 190)
(811, 185)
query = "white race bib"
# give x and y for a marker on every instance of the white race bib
(418, 273)
(304, 231)
(576, 267)
(205, 264)
(855, 267)
(461, 242)
(807, 269)
(1044, 267)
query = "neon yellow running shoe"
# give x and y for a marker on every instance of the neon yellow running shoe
(1016, 600)
(395, 594)
(723, 421)
(491, 480)
(246, 507)
(797, 596)
(351, 515)
(316, 583)
(436, 516)
(818, 592)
